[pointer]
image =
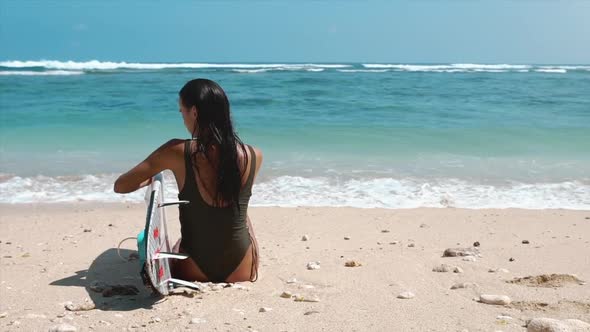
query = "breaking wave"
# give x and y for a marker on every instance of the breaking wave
(108, 65)
(290, 191)
(53, 67)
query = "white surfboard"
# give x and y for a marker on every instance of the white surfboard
(156, 245)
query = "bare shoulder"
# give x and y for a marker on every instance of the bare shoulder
(172, 147)
(258, 156)
(258, 153)
(174, 143)
(168, 153)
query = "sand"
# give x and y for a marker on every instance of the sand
(51, 254)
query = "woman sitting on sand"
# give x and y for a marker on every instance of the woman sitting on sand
(214, 171)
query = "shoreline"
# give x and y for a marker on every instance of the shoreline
(57, 250)
(94, 204)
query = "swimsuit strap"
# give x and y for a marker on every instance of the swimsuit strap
(252, 167)
(188, 164)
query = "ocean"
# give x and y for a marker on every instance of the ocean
(347, 134)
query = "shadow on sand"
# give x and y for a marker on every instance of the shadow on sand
(109, 268)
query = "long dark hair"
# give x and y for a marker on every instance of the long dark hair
(214, 127)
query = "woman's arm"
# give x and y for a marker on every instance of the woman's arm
(141, 175)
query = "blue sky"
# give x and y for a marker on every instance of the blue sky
(439, 31)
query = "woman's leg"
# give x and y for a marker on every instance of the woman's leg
(244, 270)
(186, 269)
(248, 268)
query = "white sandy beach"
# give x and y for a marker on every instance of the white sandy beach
(51, 255)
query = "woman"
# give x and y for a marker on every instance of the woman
(214, 171)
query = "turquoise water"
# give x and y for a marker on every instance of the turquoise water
(343, 134)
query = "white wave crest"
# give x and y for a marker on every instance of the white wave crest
(490, 67)
(452, 68)
(413, 193)
(552, 70)
(290, 68)
(40, 73)
(250, 71)
(292, 191)
(44, 189)
(107, 65)
(363, 70)
(566, 67)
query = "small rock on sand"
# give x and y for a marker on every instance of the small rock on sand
(352, 263)
(305, 237)
(313, 265)
(454, 252)
(98, 286)
(411, 245)
(548, 280)
(496, 270)
(457, 270)
(554, 325)
(406, 295)
(494, 299)
(217, 287)
(63, 328)
(286, 295)
(525, 242)
(114, 290)
(442, 268)
(265, 309)
(80, 307)
(300, 298)
(347, 237)
(238, 286)
(385, 231)
(4, 314)
(464, 285)
(292, 281)
(197, 320)
(189, 292)
(476, 244)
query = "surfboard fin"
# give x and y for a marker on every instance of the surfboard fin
(184, 283)
(172, 203)
(175, 255)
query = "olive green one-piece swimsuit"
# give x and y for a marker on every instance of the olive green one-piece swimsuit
(216, 238)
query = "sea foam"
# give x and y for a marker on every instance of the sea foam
(552, 70)
(451, 68)
(45, 66)
(41, 73)
(291, 191)
(108, 65)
